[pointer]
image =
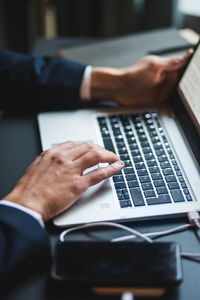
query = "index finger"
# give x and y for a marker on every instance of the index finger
(98, 175)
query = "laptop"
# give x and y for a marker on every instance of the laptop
(159, 145)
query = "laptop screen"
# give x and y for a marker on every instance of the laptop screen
(189, 88)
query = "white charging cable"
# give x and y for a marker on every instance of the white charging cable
(108, 224)
(193, 217)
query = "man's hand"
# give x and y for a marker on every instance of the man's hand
(55, 180)
(151, 80)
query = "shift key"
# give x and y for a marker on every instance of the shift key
(137, 197)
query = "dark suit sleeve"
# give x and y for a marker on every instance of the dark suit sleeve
(39, 82)
(24, 246)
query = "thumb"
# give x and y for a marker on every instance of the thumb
(178, 61)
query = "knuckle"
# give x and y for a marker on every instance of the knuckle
(95, 153)
(58, 158)
(47, 152)
(78, 185)
(70, 143)
(88, 145)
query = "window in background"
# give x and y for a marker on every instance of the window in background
(189, 12)
(190, 7)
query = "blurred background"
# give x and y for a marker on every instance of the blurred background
(22, 22)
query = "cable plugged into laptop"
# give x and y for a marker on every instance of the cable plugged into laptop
(194, 218)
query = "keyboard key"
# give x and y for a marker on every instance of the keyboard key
(108, 144)
(137, 159)
(150, 194)
(122, 194)
(125, 203)
(123, 150)
(147, 186)
(118, 178)
(176, 168)
(128, 163)
(151, 163)
(140, 131)
(119, 138)
(165, 165)
(145, 179)
(177, 196)
(157, 146)
(178, 173)
(159, 183)
(162, 190)
(152, 133)
(140, 166)
(161, 199)
(132, 184)
(129, 170)
(184, 185)
(133, 146)
(135, 152)
(113, 119)
(151, 127)
(130, 177)
(142, 172)
(101, 120)
(115, 126)
(127, 128)
(173, 185)
(137, 197)
(156, 176)
(160, 152)
(162, 158)
(129, 133)
(120, 185)
(147, 150)
(174, 162)
(116, 132)
(188, 197)
(131, 140)
(149, 156)
(144, 144)
(168, 172)
(181, 179)
(147, 116)
(142, 138)
(124, 157)
(186, 191)
(149, 121)
(154, 170)
(170, 178)
(121, 145)
(155, 140)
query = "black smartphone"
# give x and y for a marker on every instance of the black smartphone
(123, 264)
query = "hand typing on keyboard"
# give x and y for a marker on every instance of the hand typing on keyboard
(55, 180)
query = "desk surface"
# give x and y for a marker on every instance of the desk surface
(20, 144)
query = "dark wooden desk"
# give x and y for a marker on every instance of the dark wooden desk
(20, 144)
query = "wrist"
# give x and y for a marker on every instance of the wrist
(27, 202)
(106, 83)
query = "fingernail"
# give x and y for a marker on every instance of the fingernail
(119, 165)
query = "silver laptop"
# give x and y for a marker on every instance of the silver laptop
(160, 148)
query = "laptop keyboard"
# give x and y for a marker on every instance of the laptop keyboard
(151, 174)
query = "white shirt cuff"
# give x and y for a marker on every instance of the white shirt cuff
(27, 210)
(85, 89)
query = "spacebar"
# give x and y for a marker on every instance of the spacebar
(108, 144)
